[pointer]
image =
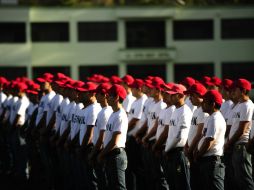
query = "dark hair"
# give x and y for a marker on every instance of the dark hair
(246, 92)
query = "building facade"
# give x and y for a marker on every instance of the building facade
(169, 42)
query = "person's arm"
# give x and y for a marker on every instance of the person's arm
(110, 146)
(88, 136)
(65, 134)
(132, 123)
(243, 125)
(206, 145)
(151, 133)
(162, 138)
(16, 120)
(141, 132)
(196, 138)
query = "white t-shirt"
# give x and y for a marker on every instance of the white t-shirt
(252, 127)
(154, 112)
(243, 112)
(7, 105)
(75, 121)
(52, 107)
(43, 105)
(59, 112)
(188, 103)
(19, 108)
(136, 111)
(101, 122)
(118, 121)
(164, 120)
(225, 107)
(179, 127)
(30, 111)
(214, 127)
(230, 113)
(90, 118)
(2, 100)
(13, 109)
(198, 117)
(66, 116)
(127, 102)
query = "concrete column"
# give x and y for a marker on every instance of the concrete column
(74, 72)
(170, 71)
(122, 70)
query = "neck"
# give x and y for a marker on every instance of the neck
(116, 107)
(244, 98)
(158, 98)
(213, 111)
(180, 103)
(104, 104)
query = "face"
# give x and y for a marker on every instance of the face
(111, 99)
(238, 93)
(206, 106)
(134, 92)
(45, 86)
(167, 98)
(195, 99)
(100, 97)
(174, 99)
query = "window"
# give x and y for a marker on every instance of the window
(196, 71)
(145, 34)
(144, 70)
(13, 72)
(38, 71)
(12, 32)
(237, 28)
(193, 29)
(50, 32)
(97, 31)
(235, 70)
(86, 71)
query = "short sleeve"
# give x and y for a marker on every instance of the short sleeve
(246, 112)
(118, 124)
(22, 108)
(91, 116)
(211, 128)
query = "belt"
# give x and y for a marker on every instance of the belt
(209, 158)
(116, 151)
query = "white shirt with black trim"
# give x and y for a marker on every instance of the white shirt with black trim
(66, 116)
(19, 108)
(59, 113)
(3, 97)
(136, 112)
(225, 107)
(179, 127)
(215, 128)
(243, 112)
(154, 112)
(127, 102)
(198, 117)
(118, 122)
(101, 122)
(43, 105)
(164, 120)
(90, 117)
(75, 121)
(52, 107)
